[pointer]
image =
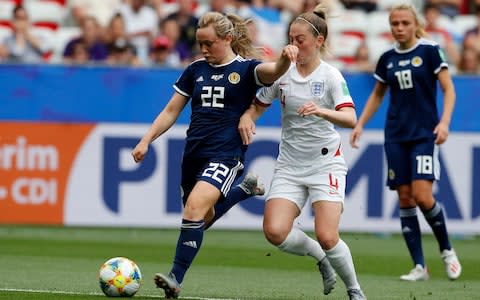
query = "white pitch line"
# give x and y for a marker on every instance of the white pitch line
(98, 294)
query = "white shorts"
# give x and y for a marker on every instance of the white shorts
(302, 184)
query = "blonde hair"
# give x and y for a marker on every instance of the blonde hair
(317, 21)
(420, 32)
(230, 24)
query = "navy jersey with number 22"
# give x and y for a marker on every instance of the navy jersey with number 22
(411, 75)
(219, 94)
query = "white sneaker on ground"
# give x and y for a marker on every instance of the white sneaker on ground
(416, 274)
(356, 294)
(252, 185)
(452, 264)
(328, 275)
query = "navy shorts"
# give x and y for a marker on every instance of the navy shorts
(219, 172)
(413, 160)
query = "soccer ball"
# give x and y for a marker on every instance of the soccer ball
(120, 277)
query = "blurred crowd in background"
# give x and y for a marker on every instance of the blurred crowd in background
(161, 33)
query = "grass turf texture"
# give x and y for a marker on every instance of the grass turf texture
(62, 263)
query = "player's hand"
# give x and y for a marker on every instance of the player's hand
(291, 52)
(310, 108)
(441, 131)
(355, 136)
(139, 152)
(246, 127)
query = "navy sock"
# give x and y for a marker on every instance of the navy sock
(189, 242)
(411, 234)
(234, 196)
(436, 220)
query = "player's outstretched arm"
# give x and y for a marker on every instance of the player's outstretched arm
(372, 105)
(442, 128)
(268, 72)
(246, 126)
(165, 119)
(344, 117)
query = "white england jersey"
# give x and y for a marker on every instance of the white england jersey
(309, 140)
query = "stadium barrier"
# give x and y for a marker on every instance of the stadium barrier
(66, 134)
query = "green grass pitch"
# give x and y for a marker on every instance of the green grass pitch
(38, 262)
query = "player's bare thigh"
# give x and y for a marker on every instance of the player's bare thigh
(278, 219)
(200, 201)
(327, 220)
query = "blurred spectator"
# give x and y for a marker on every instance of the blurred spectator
(439, 34)
(469, 62)
(221, 6)
(101, 10)
(365, 5)
(243, 8)
(472, 36)
(362, 61)
(450, 8)
(265, 53)
(334, 7)
(472, 41)
(122, 53)
(162, 54)
(185, 17)
(141, 25)
(22, 46)
(80, 55)
(294, 8)
(3, 53)
(171, 29)
(115, 30)
(272, 26)
(90, 36)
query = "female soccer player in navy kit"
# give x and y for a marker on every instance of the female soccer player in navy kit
(310, 166)
(413, 132)
(221, 87)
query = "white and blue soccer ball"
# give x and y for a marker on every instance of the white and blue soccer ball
(120, 277)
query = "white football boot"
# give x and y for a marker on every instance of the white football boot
(416, 274)
(328, 275)
(169, 284)
(356, 294)
(252, 185)
(452, 264)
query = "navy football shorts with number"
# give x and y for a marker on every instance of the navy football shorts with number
(219, 172)
(408, 161)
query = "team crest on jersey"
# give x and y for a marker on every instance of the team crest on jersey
(318, 88)
(417, 61)
(391, 174)
(234, 78)
(217, 77)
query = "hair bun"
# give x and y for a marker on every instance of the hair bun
(320, 14)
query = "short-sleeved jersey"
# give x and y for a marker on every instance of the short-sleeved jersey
(219, 94)
(306, 141)
(412, 78)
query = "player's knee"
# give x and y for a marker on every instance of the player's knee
(275, 235)
(328, 240)
(194, 212)
(407, 200)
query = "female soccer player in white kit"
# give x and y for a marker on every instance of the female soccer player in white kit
(314, 98)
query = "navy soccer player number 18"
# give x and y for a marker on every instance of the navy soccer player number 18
(413, 132)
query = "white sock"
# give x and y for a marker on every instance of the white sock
(341, 260)
(299, 243)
